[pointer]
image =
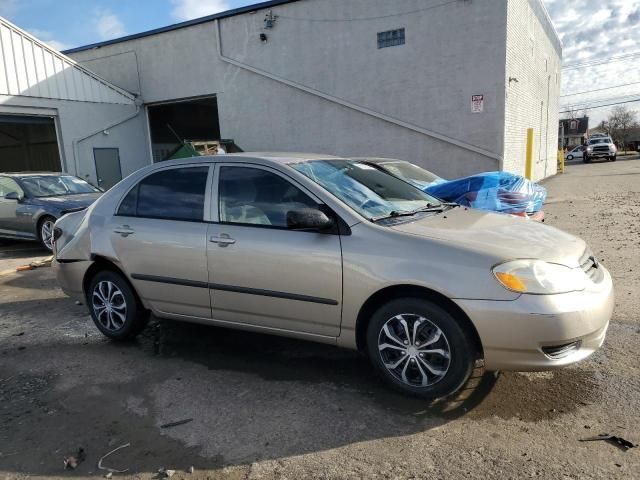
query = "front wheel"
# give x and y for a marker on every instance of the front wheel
(586, 159)
(613, 158)
(569, 157)
(114, 306)
(419, 348)
(45, 232)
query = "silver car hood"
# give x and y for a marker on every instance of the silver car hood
(504, 235)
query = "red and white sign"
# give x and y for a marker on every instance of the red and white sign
(477, 103)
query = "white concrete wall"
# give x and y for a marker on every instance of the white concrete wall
(534, 58)
(75, 120)
(453, 51)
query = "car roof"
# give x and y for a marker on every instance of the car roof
(283, 158)
(379, 160)
(30, 174)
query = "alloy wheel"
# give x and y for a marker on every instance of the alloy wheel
(109, 305)
(414, 350)
(46, 233)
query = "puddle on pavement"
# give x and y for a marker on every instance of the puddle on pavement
(532, 397)
(281, 359)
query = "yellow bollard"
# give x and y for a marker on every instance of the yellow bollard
(561, 161)
(529, 164)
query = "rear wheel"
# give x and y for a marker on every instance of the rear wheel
(419, 348)
(45, 232)
(114, 307)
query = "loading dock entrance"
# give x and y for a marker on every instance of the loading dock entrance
(28, 144)
(174, 123)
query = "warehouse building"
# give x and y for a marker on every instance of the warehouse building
(450, 85)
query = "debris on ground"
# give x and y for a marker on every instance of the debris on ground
(619, 442)
(166, 473)
(113, 470)
(43, 262)
(175, 424)
(18, 334)
(191, 469)
(71, 462)
(109, 475)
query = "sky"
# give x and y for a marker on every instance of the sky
(592, 31)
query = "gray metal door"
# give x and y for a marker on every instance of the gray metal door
(107, 167)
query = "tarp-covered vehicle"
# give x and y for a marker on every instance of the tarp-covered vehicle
(494, 191)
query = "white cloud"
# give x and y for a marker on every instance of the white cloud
(46, 37)
(189, 9)
(598, 30)
(108, 25)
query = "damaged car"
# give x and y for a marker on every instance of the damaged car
(336, 251)
(493, 191)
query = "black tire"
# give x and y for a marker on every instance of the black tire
(614, 158)
(459, 365)
(115, 322)
(569, 157)
(49, 220)
(586, 159)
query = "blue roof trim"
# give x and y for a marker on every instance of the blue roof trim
(177, 26)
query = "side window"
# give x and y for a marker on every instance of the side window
(8, 185)
(176, 194)
(252, 196)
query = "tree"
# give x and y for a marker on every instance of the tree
(620, 119)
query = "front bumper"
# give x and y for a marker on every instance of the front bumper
(70, 276)
(514, 333)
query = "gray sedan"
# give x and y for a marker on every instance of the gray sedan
(30, 203)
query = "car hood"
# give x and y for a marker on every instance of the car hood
(67, 202)
(502, 235)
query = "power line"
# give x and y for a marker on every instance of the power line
(599, 89)
(617, 98)
(588, 107)
(595, 62)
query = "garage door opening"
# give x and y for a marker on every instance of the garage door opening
(180, 128)
(28, 144)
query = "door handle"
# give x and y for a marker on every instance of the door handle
(124, 230)
(223, 240)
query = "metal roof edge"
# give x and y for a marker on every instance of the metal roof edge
(178, 26)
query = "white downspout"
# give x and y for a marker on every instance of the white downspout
(76, 142)
(353, 106)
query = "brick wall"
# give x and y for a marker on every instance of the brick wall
(533, 57)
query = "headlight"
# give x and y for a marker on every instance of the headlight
(539, 278)
(589, 149)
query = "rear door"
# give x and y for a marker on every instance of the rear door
(159, 235)
(263, 274)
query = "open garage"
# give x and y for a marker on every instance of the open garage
(28, 143)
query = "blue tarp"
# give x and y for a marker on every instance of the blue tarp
(494, 191)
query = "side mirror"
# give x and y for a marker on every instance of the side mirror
(13, 196)
(308, 219)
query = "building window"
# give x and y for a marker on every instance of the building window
(391, 38)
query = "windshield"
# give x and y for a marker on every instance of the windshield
(411, 173)
(593, 141)
(55, 185)
(369, 190)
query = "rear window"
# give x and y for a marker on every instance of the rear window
(176, 194)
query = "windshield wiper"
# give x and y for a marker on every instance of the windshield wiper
(429, 208)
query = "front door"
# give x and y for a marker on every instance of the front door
(12, 212)
(263, 274)
(107, 167)
(160, 238)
